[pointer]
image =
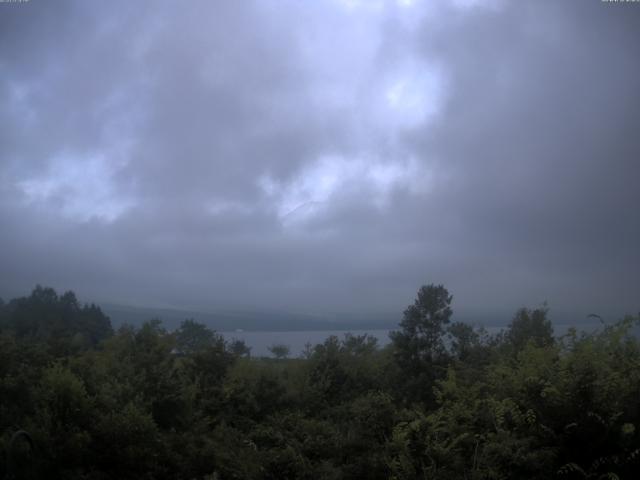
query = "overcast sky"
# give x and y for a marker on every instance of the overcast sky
(323, 157)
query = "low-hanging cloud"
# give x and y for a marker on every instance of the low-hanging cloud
(324, 157)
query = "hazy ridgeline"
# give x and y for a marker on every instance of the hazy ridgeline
(441, 399)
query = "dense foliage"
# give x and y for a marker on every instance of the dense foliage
(444, 400)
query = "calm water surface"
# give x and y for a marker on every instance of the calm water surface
(296, 340)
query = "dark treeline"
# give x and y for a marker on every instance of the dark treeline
(444, 400)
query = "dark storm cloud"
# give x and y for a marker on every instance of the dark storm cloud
(325, 157)
(541, 137)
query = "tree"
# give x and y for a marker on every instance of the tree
(419, 346)
(420, 339)
(239, 348)
(280, 351)
(58, 320)
(530, 326)
(463, 339)
(358, 345)
(193, 337)
(307, 351)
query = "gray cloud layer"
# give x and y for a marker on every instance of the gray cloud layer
(322, 157)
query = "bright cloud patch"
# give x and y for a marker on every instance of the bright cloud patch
(80, 189)
(331, 177)
(369, 5)
(466, 4)
(412, 95)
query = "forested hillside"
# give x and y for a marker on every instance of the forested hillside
(444, 400)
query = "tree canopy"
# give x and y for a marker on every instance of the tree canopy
(443, 400)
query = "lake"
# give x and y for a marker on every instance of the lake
(261, 341)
